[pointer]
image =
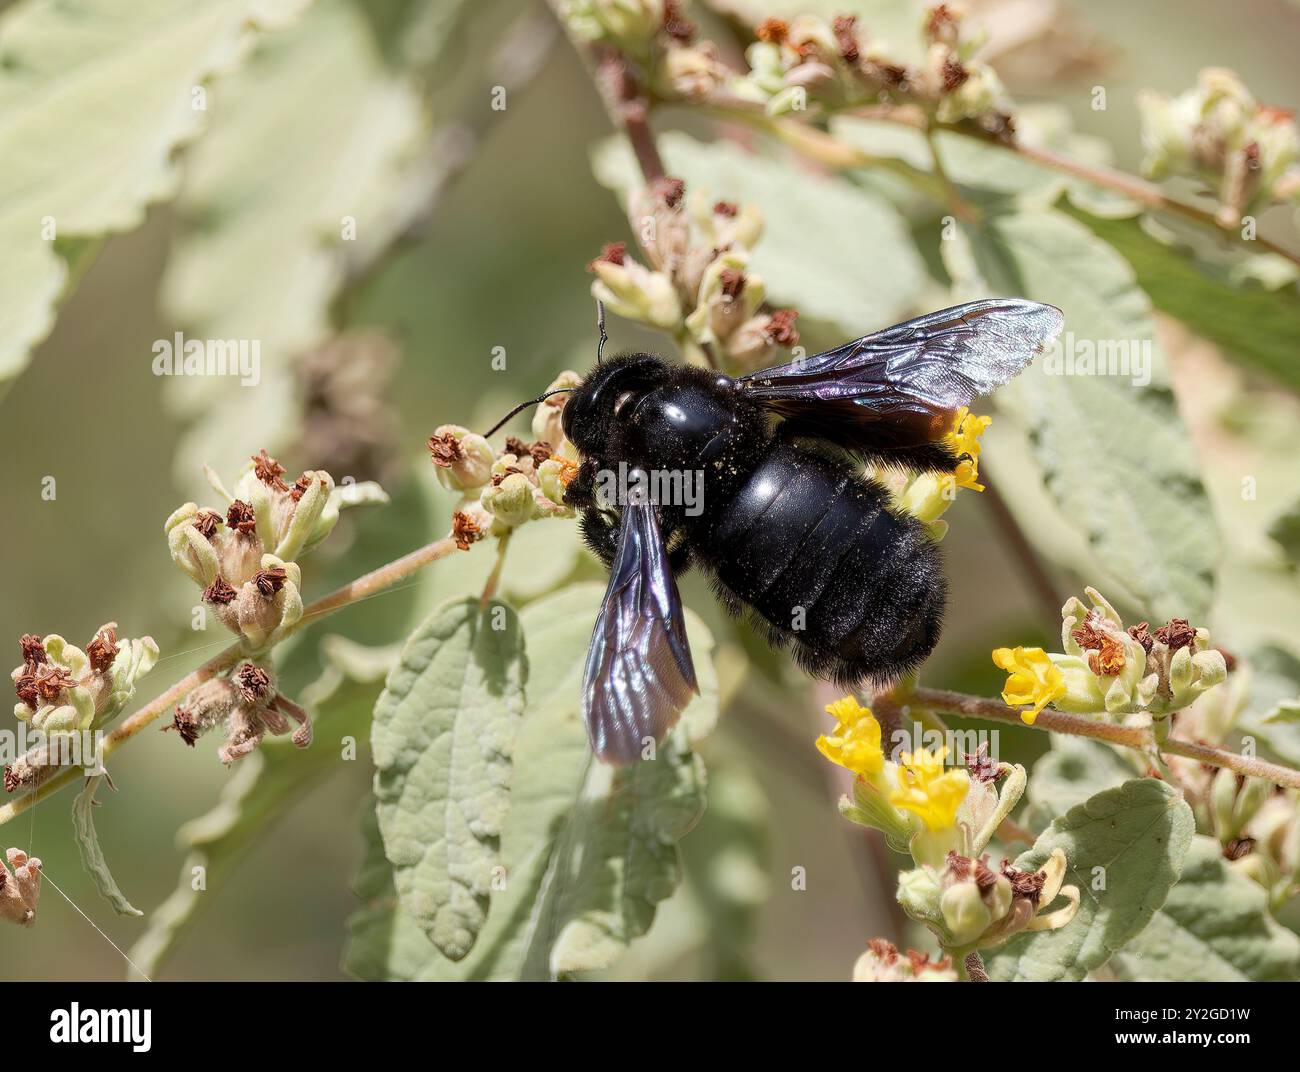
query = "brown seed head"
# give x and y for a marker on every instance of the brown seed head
(270, 581)
(240, 517)
(206, 521)
(269, 471)
(219, 592)
(465, 530)
(25, 686)
(781, 329)
(1142, 634)
(1176, 633)
(51, 681)
(444, 450)
(102, 650)
(610, 253)
(253, 683)
(184, 723)
(33, 650)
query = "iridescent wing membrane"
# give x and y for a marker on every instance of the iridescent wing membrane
(639, 673)
(897, 389)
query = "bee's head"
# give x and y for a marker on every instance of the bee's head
(607, 396)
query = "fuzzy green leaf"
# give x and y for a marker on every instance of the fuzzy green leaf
(1124, 850)
(588, 852)
(1114, 453)
(92, 856)
(316, 130)
(1214, 927)
(1072, 771)
(96, 97)
(443, 740)
(1260, 326)
(815, 230)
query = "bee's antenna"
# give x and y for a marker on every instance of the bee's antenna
(523, 406)
(600, 323)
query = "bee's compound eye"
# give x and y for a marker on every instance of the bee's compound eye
(622, 401)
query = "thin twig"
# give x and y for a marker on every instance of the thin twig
(964, 706)
(370, 584)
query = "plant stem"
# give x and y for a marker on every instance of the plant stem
(1143, 740)
(363, 587)
(975, 970)
(827, 150)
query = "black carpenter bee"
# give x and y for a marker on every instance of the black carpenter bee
(790, 529)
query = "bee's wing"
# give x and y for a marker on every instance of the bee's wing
(639, 672)
(898, 388)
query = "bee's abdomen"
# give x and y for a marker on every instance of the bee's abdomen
(808, 544)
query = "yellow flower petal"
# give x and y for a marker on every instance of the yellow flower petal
(927, 791)
(855, 742)
(1034, 679)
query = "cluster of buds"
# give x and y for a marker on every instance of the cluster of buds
(699, 285)
(1108, 668)
(633, 26)
(502, 490)
(247, 706)
(20, 889)
(63, 689)
(927, 496)
(971, 906)
(883, 963)
(1219, 133)
(1259, 828)
(245, 557)
(836, 65)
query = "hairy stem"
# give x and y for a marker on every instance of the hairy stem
(363, 587)
(1143, 740)
(827, 150)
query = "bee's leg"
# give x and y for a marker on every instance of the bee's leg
(600, 531)
(581, 491)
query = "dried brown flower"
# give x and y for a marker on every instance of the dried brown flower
(610, 253)
(270, 581)
(51, 681)
(845, 29)
(781, 329)
(1176, 633)
(726, 208)
(253, 683)
(444, 449)
(981, 766)
(219, 592)
(668, 190)
(240, 517)
(465, 530)
(733, 283)
(185, 724)
(1028, 884)
(1109, 660)
(1142, 634)
(1238, 847)
(676, 25)
(102, 650)
(269, 471)
(33, 651)
(206, 521)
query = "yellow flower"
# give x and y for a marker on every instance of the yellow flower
(1034, 679)
(964, 441)
(855, 743)
(926, 790)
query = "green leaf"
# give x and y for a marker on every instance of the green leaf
(1114, 453)
(92, 856)
(816, 230)
(1260, 326)
(584, 871)
(1072, 771)
(1274, 685)
(96, 98)
(264, 785)
(1124, 850)
(1214, 927)
(316, 129)
(443, 741)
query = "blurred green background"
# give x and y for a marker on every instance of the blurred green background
(498, 263)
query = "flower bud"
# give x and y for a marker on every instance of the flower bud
(190, 548)
(964, 912)
(547, 417)
(463, 459)
(554, 476)
(510, 501)
(20, 889)
(632, 291)
(919, 893)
